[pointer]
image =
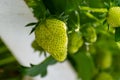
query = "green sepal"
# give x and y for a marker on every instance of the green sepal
(30, 24)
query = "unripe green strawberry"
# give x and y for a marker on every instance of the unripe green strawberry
(75, 41)
(104, 76)
(113, 17)
(104, 59)
(52, 37)
(89, 34)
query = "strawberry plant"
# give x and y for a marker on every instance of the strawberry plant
(84, 32)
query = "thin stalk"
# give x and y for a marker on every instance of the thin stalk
(91, 16)
(99, 10)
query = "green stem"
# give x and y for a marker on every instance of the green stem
(100, 10)
(78, 20)
(7, 60)
(91, 16)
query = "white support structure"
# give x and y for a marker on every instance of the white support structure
(14, 15)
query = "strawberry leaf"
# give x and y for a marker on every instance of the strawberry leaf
(117, 2)
(117, 34)
(38, 8)
(40, 68)
(83, 65)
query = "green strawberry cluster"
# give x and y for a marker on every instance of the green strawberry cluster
(66, 27)
(51, 35)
